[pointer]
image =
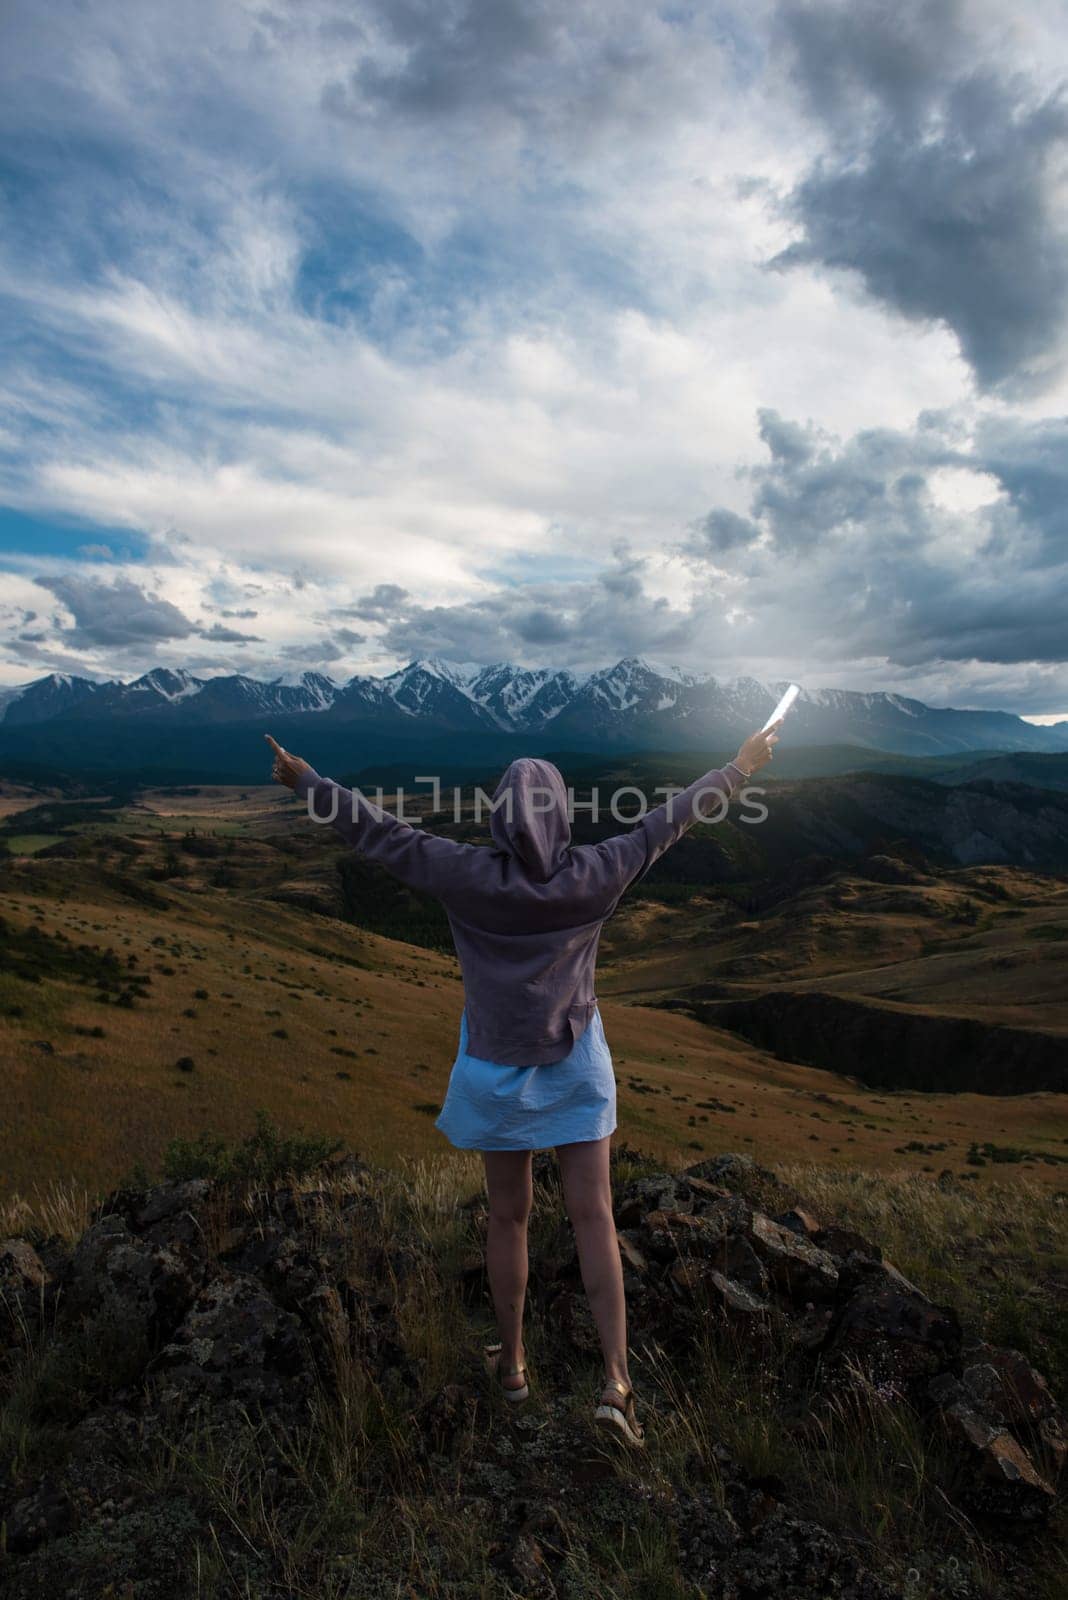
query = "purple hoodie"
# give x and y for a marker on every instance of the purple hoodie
(526, 913)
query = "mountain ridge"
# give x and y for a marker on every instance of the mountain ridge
(628, 702)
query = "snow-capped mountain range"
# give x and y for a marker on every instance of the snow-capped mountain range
(631, 704)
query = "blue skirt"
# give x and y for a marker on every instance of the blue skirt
(493, 1107)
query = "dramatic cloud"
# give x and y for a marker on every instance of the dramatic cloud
(117, 614)
(729, 335)
(379, 606)
(945, 186)
(222, 635)
(915, 546)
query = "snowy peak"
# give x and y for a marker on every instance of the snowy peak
(522, 697)
(56, 695)
(436, 691)
(632, 704)
(168, 683)
(457, 673)
(305, 691)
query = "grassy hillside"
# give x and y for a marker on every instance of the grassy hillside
(258, 992)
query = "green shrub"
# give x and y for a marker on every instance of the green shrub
(262, 1156)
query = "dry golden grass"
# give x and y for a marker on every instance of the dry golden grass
(349, 1034)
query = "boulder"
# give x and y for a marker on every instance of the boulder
(23, 1279)
(664, 1233)
(630, 1251)
(732, 1169)
(235, 1343)
(44, 1514)
(1008, 1390)
(843, 1242)
(20, 1266)
(446, 1416)
(893, 1336)
(792, 1557)
(1002, 1480)
(798, 1269)
(642, 1195)
(144, 1286)
(803, 1222)
(738, 1302)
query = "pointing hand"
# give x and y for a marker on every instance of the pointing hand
(287, 769)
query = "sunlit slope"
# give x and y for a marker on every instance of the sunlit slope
(990, 942)
(253, 1003)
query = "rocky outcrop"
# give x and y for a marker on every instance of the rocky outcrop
(181, 1307)
(694, 1249)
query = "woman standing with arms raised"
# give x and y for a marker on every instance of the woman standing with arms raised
(533, 1067)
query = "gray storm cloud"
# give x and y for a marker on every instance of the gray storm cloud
(939, 188)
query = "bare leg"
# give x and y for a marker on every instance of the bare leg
(588, 1198)
(510, 1190)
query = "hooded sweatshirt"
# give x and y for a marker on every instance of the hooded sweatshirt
(526, 912)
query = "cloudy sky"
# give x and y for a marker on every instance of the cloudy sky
(734, 335)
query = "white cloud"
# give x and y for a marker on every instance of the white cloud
(376, 296)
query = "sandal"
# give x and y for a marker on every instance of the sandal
(621, 1420)
(493, 1365)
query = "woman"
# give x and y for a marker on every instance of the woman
(533, 1067)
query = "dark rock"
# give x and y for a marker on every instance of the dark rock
(291, 1269)
(893, 1336)
(575, 1321)
(797, 1268)
(800, 1221)
(1003, 1480)
(737, 1260)
(169, 1199)
(325, 1317)
(525, 1561)
(731, 1213)
(315, 1284)
(44, 1514)
(661, 1230)
(727, 1168)
(699, 1280)
(643, 1195)
(447, 1415)
(143, 1285)
(23, 1281)
(375, 1334)
(793, 1558)
(630, 1251)
(1008, 1390)
(701, 1188)
(843, 1242)
(235, 1343)
(20, 1266)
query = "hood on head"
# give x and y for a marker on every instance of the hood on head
(535, 826)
